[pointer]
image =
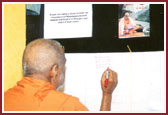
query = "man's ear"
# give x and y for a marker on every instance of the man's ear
(54, 72)
(55, 76)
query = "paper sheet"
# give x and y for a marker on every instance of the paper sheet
(67, 20)
(141, 80)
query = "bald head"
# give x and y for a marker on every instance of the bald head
(40, 55)
(126, 16)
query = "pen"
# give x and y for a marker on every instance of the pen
(106, 81)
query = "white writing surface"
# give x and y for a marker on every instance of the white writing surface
(67, 20)
(141, 80)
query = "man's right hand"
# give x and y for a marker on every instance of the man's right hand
(107, 91)
(112, 81)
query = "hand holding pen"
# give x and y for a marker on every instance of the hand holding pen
(109, 81)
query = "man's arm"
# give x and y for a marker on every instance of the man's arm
(107, 91)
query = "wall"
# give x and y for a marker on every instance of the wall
(14, 43)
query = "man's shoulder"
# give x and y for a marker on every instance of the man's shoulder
(61, 96)
(56, 100)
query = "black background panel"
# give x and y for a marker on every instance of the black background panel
(105, 32)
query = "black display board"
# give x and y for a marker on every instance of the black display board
(105, 32)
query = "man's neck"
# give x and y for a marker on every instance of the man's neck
(39, 76)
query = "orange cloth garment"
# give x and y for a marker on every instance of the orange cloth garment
(36, 95)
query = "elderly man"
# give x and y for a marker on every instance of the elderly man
(44, 71)
(127, 25)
